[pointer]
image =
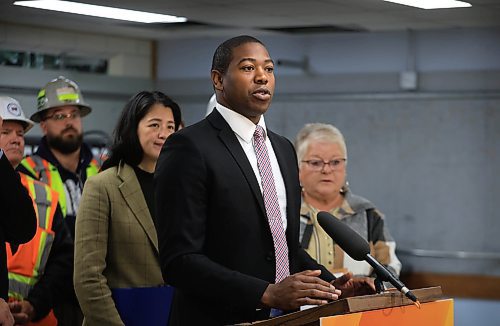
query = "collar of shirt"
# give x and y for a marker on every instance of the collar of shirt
(339, 212)
(241, 125)
(244, 129)
(1, 153)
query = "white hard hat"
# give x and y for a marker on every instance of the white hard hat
(10, 110)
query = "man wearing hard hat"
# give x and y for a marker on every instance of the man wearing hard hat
(62, 160)
(17, 220)
(40, 268)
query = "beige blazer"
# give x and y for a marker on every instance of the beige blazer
(115, 243)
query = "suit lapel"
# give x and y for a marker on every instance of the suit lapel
(133, 196)
(229, 139)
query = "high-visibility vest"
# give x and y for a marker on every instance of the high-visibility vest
(27, 265)
(46, 172)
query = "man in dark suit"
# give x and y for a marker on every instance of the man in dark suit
(216, 244)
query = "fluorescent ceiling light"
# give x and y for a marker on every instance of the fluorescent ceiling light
(101, 11)
(432, 4)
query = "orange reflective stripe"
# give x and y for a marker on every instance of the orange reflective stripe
(30, 186)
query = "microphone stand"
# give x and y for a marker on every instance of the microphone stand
(379, 285)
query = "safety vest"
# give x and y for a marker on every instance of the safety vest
(48, 173)
(27, 264)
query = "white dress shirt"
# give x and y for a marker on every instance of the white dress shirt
(244, 130)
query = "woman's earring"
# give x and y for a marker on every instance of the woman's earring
(345, 187)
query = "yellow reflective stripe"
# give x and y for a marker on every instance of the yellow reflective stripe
(28, 167)
(18, 289)
(31, 188)
(41, 93)
(16, 296)
(44, 256)
(92, 169)
(48, 213)
(68, 97)
(22, 279)
(41, 246)
(58, 185)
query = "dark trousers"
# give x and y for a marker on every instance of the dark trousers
(68, 314)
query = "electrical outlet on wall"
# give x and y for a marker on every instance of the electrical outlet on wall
(408, 80)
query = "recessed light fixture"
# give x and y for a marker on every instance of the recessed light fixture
(432, 4)
(101, 11)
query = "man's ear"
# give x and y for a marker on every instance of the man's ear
(217, 79)
(43, 126)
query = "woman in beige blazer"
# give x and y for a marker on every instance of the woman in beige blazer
(116, 245)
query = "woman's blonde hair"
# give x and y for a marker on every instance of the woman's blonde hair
(318, 132)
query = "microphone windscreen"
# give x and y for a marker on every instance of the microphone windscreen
(348, 239)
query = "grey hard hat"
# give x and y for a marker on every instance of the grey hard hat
(10, 110)
(59, 92)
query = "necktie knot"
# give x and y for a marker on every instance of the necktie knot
(259, 133)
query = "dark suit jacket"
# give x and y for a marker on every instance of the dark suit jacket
(17, 216)
(215, 243)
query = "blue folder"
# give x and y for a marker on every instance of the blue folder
(144, 306)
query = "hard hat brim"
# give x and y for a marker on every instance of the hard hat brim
(84, 110)
(27, 123)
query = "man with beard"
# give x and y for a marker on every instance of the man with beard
(62, 160)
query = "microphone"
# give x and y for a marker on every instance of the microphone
(359, 249)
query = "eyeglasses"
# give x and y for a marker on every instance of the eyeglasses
(318, 165)
(63, 116)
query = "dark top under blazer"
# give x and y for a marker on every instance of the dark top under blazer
(215, 243)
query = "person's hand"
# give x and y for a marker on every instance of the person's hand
(22, 311)
(6, 318)
(304, 288)
(354, 286)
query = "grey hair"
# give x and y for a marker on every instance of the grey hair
(318, 132)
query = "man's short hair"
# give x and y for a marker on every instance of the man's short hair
(224, 52)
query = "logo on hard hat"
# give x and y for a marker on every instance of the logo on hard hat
(67, 94)
(42, 99)
(14, 109)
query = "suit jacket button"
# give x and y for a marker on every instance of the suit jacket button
(270, 256)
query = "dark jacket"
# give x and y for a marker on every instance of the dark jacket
(216, 247)
(57, 280)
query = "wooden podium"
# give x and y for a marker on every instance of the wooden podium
(388, 308)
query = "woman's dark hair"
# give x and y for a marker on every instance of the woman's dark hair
(126, 146)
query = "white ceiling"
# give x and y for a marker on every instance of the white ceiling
(221, 17)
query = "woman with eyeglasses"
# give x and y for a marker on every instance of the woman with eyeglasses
(116, 245)
(322, 157)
